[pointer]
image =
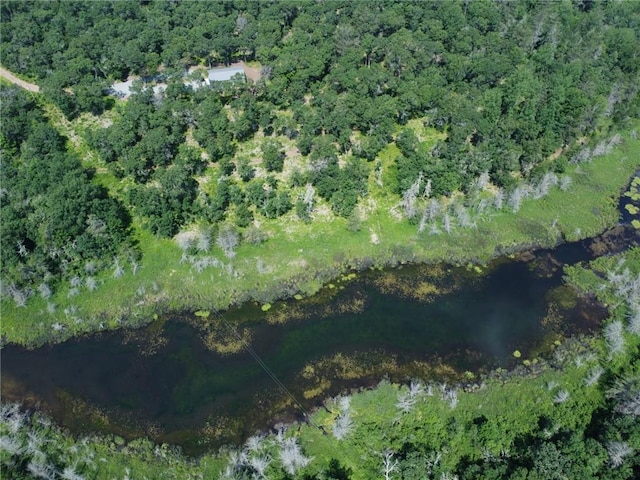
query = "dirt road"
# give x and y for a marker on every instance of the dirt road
(4, 73)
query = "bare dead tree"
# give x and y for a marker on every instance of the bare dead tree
(498, 199)
(427, 189)
(634, 319)
(308, 197)
(91, 284)
(618, 451)
(545, 184)
(463, 217)
(614, 337)
(19, 296)
(410, 196)
(626, 393)
(291, 456)
(228, 240)
(593, 376)
(204, 240)
(259, 465)
(405, 402)
(561, 396)
(446, 223)
(389, 464)
(565, 182)
(45, 290)
(118, 270)
(516, 197)
(343, 424)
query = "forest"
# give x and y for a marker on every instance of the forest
(378, 133)
(515, 89)
(55, 221)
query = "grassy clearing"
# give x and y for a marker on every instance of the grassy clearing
(74, 131)
(299, 257)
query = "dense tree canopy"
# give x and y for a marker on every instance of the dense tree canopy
(54, 219)
(499, 76)
(508, 84)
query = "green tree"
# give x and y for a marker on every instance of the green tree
(272, 155)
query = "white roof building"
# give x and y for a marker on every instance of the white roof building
(223, 74)
(123, 89)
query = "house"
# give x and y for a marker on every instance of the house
(223, 74)
(217, 75)
(123, 89)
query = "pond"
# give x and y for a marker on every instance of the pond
(203, 380)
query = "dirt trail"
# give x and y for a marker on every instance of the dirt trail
(251, 72)
(4, 73)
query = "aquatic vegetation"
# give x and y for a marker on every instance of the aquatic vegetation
(423, 283)
(216, 337)
(320, 388)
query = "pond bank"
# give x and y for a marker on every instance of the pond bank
(180, 381)
(554, 400)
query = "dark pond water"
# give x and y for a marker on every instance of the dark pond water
(186, 379)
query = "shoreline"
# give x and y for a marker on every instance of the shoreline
(326, 276)
(459, 379)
